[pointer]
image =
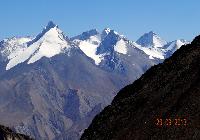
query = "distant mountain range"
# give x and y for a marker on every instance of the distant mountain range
(52, 85)
(164, 103)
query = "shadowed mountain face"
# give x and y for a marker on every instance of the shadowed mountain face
(163, 104)
(7, 134)
(55, 96)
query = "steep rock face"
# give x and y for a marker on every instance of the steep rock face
(7, 134)
(163, 104)
(52, 97)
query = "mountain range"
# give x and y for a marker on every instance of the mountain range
(53, 85)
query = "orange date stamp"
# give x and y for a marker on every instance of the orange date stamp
(177, 121)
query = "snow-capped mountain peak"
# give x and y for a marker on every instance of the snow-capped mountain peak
(50, 42)
(46, 29)
(152, 45)
(96, 45)
(151, 39)
(171, 47)
(53, 41)
(174, 45)
(156, 47)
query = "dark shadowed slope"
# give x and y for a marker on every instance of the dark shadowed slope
(7, 134)
(167, 91)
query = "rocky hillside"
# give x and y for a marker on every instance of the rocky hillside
(164, 103)
(7, 134)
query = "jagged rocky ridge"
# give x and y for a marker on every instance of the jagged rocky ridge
(8, 134)
(169, 90)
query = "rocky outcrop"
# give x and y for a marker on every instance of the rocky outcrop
(7, 134)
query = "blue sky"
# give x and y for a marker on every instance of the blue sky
(171, 19)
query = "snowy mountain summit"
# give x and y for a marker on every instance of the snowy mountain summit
(151, 39)
(156, 47)
(50, 42)
(97, 45)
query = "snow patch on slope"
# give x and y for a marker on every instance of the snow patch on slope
(152, 52)
(89, 47)
(158, 42)
(121, 47)
(20, 58)
(14, 46)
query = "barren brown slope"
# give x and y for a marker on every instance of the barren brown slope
(167, 91)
